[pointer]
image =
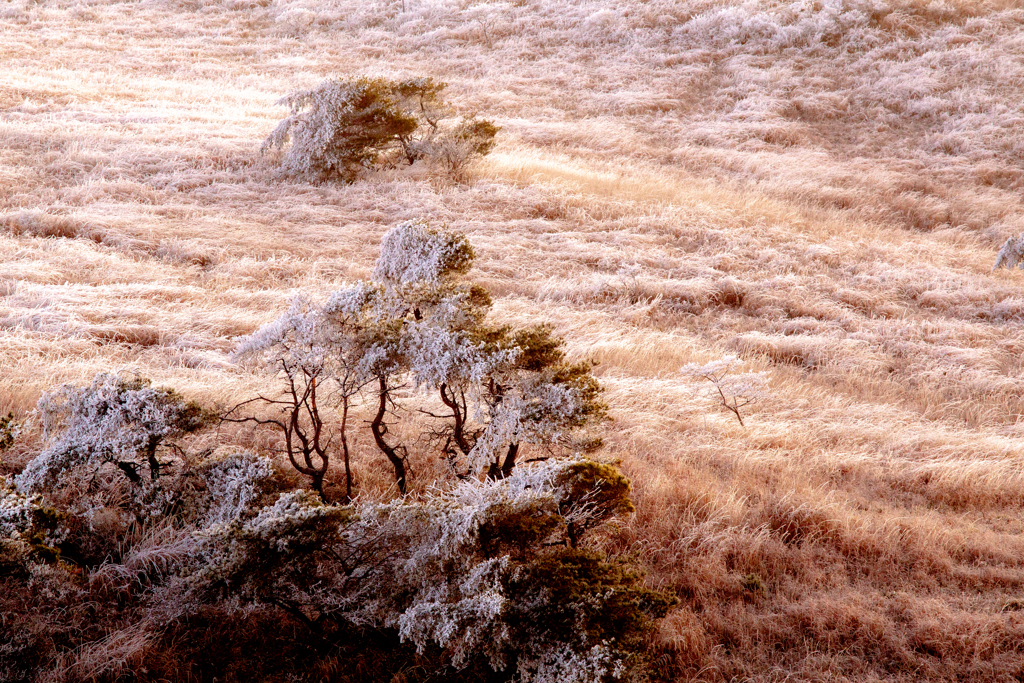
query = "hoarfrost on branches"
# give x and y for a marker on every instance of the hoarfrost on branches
(439, 355)
(728, 388)
(414, 254)
(1011, 254)
(342, 127)
(419, 322)
(597, 665)
(114, 421)
(17, 510)
(339, 128)
(320, 354)
(233, 485)
(10, 430)
(295, 338)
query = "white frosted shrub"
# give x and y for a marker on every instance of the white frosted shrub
(10, 430)
(1011, 254)
(25, 520)
(114, 421)
(476, 574)
(233, 486)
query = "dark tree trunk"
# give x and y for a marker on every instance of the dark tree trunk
(344, 450)
(154, 464)
(503, 469)
(510, 460)
(379, 429)
(130, 472)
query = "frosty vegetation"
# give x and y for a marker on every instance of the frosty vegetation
(820, 186)
(115, 422)
(495, 388)
(483, 575)
(344, 127)
(486, 580)
(1011, 254)
(486, 574)
(9, 431)
(731, 389)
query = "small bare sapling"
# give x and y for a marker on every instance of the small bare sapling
(730, 389)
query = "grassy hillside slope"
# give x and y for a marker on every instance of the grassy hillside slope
(818, 187)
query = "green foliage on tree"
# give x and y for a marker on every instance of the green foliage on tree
(9, 429)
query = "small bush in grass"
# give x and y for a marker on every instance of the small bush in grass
(1011, 254)
(454, 152)
(344, 127)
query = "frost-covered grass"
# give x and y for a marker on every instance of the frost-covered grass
(820, 188)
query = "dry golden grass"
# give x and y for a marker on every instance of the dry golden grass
(817, 187)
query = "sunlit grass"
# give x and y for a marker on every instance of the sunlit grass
(673, 184)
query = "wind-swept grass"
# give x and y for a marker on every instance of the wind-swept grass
(817, 187)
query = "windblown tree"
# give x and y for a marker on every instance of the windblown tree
(341, 128)
(518, 382)
(318, 354)
(441, 318)
(375, 318)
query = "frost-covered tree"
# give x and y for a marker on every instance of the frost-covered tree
(375, 317)
(501, 387)
(339, 128)
(440, 316)
(419, 269)
(419, 323)
(318, 355)
(342, 127)
(115, 421)
(538, 398)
